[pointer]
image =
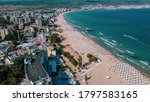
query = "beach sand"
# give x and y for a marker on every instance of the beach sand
(119, 72)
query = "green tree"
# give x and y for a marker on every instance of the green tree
(15, 73)
(80, 61)
(3, 21)
(86, 78)
(77, 82)
(71, 58)
(91, 58)
(14, 42)
(12, 80)
(55, 26)
(54, 38)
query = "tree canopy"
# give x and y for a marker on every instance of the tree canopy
(54, 38)
(91, 58)
(15, 73)
(3, 21)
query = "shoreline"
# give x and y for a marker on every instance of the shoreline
(142, 69)
(110, 64)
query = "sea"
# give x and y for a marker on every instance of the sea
(123, 32)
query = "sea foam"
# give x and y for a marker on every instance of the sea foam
(120, 50)
(120, 55)
(144, 62)
(136, 40)
(91, 36)
(106, 40)
(130, 52)
(130, 37)
(130, 60)
(108, 44)
(114, 41)
(101, 33)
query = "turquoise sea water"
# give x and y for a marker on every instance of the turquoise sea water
(125, 33)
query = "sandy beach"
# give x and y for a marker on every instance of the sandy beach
(110, 71)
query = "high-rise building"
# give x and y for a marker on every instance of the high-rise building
(14, 19)
(3, 33)
(27, 19)
(5, 17)
(39, 21)
(20, 20)
(21, 26)
(31, 14)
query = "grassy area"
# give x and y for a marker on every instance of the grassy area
(80, 61)
(71, 58)
(91, 58)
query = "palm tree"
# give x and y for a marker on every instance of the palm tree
(86, 79)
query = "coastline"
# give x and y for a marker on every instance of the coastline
(115, 7)
(141, 69)
(109, 66)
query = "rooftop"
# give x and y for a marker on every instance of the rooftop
(35, 70)
(4, 47)
(28, 34)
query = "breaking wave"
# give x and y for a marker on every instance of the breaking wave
(130, 52)
(100, 33)
(130, 60)
(114, 41)
(107, 41)
(108, 44)
(120, 55)
(144, 62)
(91, 36)
(130, 37)
(120, 50)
